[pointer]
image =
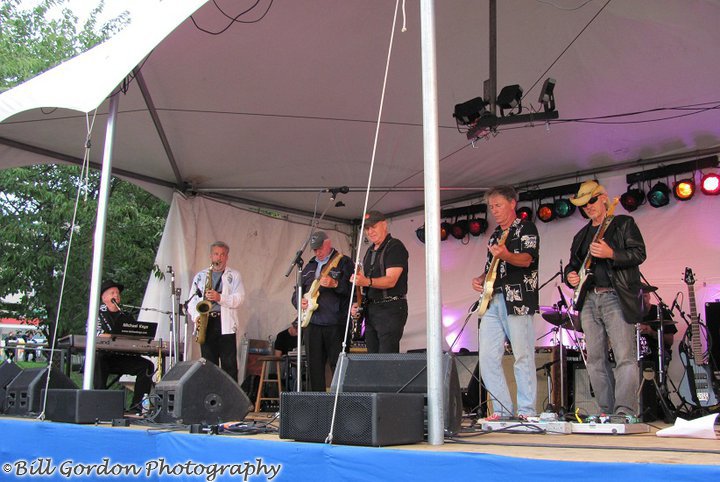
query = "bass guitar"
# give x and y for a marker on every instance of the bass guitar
(585, 272)
(698, 382)
(481, 305)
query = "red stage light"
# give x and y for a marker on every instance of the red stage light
(546, 213)
(710, 184)
(525, 213)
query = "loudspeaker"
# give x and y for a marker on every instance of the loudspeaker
(84, 406)
(8, 372)
(400, 373)
(583, 396)
(199, 392)
(374, 419)
(24, 392)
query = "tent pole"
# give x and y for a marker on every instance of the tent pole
(99, 244)
(432, 223)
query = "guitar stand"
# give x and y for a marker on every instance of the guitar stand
(669, 414)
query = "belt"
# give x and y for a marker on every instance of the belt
(214, 314)
(597, 290)
(387, 300)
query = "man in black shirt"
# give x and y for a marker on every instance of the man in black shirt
(287, 341)
(326, 289)
(110, 318)
(611, 307)
(385, 277)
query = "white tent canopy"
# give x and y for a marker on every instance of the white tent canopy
(268, 111)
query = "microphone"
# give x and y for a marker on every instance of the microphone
(337, 190)
(562, 273)
(114, 302)
(563, 301)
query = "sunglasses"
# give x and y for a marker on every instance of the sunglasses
(592, 200)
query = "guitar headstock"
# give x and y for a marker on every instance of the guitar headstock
(613, 204)
(689, 277)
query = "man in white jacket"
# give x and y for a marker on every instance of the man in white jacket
(226, 293)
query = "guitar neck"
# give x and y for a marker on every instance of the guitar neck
(697, 348)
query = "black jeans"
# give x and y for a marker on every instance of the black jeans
(323, 344)
(384, 325)
(220, 349)
(107, 363)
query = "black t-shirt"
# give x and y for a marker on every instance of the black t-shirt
(391, 254)
(600, 268)
(285, 342)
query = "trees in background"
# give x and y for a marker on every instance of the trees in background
(37, 202)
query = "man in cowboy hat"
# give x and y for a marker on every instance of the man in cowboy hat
(611, 305)
(110, 318)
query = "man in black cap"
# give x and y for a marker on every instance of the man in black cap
(326, 298)
(611, 307)
(110, 318)
(385, 279)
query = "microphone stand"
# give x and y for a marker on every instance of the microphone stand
(174, 347)
(297, 263)
(559, 273)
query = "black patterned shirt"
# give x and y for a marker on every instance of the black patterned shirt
(519, 285)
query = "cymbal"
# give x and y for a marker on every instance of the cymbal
(648, 288)
(558, 318)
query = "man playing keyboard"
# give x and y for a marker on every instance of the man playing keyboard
(110, 319)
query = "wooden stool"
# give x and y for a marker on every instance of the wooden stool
(264, 372)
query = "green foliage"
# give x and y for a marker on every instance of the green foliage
(37, 202)
(32, 42)
(36, 208)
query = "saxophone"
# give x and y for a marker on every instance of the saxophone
(203, 308)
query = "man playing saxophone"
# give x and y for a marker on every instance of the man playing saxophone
(223, 288)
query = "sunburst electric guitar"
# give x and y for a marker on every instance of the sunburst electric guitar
(585, 272)
(481, 305)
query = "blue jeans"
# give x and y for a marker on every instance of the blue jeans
(602, 320)
(496, 325)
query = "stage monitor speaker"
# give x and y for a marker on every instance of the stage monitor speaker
(400, 373)
(84, 406)
(372, 419)
(582, 393)
(23, 394)
(199, 392)
(8, 372)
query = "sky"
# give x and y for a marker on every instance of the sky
(82, 8)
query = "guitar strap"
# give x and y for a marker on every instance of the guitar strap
(332, 264)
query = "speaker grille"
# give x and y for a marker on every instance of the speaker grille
(374, 419)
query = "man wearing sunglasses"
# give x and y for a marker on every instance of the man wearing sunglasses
(612, 303)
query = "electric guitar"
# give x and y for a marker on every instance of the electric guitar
(585, 272)
(698, 382)
(481, 305)
(312, 294)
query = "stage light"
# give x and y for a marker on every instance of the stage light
(477, 226)
(469, 112)
(420, 233)
(546, 212)
(632, 199)
(659, 195)
(547, 97)
(509, 98)
(525, 213)
(684, 189)
(445, 228)
(459, 229)
(564, 208)
(710, 184)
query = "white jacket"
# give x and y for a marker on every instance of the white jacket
(232, 296)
